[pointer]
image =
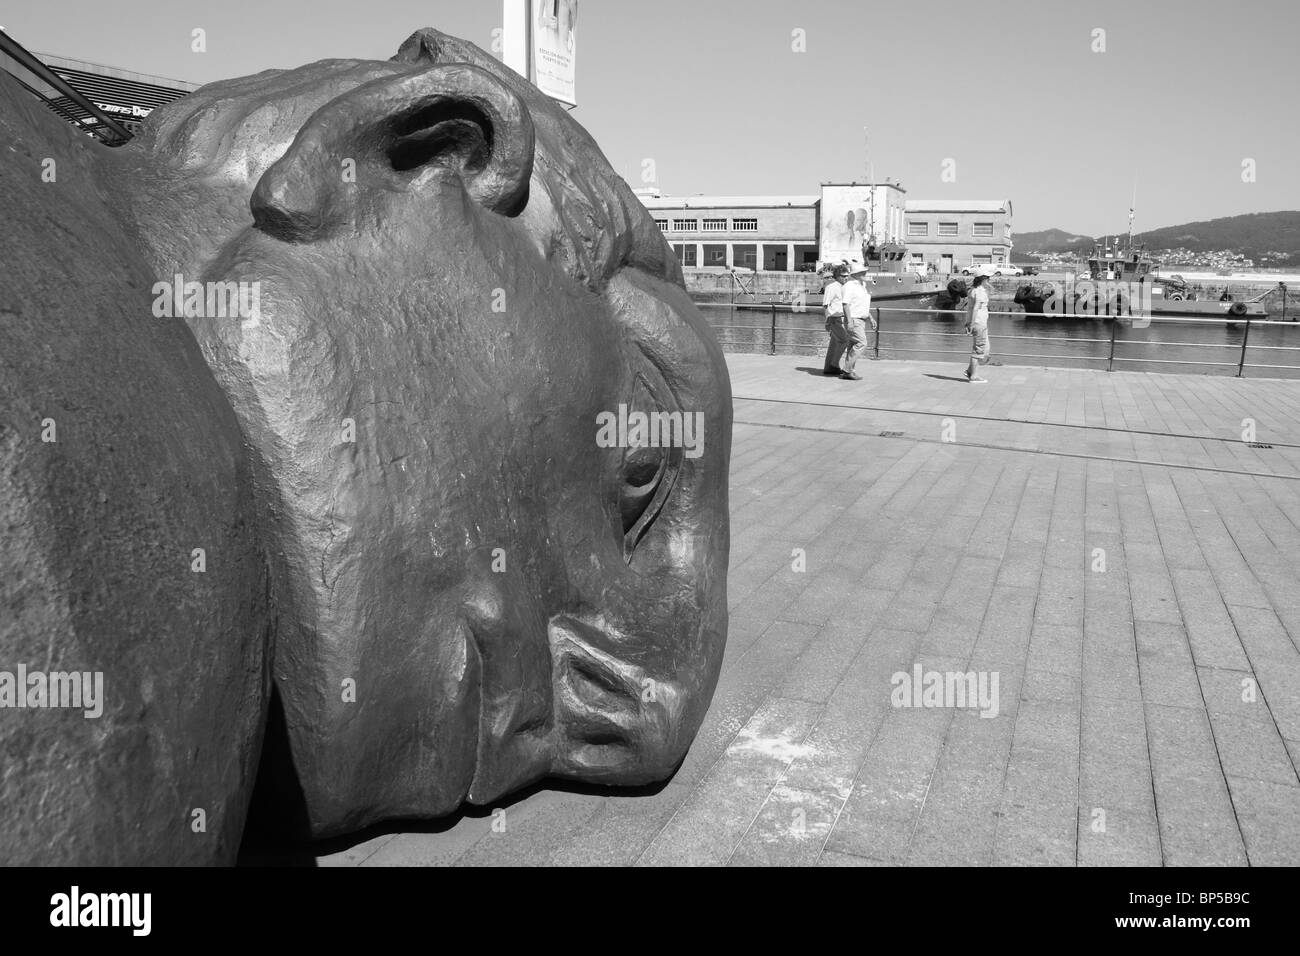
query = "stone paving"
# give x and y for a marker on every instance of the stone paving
(1109, 545)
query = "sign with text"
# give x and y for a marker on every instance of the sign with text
(539, 41)
(554, 48)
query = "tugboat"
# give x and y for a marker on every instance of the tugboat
(892, 280)
(1130, 269)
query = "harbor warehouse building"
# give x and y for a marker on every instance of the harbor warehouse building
(955, 233)
(793, 233)
(764, 233)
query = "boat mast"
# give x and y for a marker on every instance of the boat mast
(1131, 209)
(871, 180)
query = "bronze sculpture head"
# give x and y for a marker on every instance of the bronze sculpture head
(459, 584)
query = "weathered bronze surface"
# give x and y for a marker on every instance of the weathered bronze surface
(409, 466)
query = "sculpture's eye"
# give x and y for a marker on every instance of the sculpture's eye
(650, 461)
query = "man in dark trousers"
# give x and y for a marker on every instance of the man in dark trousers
(833, 303)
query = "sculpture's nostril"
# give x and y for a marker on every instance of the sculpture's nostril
(454, 130)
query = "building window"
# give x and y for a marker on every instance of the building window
(918, 228)
(947, 229)
(981, 260)
(684, 225)
(685, 253)
(715, 254)
(982, 229)
(715, 225)
(744, 257)
(744, 225)
(662, 224)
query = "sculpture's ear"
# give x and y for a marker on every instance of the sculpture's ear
(393, 130)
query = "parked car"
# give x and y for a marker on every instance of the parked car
(995, 269)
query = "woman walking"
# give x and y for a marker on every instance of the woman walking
(977, 326)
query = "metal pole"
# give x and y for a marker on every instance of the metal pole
(25, 59)
(1244, 339)
(773, 328)
(1110, 362)
(877, 332)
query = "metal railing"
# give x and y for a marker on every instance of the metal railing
(817, 336)
(103, 127)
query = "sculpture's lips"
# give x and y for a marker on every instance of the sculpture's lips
(590, 712)
(615, 720)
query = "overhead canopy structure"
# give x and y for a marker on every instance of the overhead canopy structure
(104, 101)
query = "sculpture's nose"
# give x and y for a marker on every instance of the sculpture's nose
(379, 138)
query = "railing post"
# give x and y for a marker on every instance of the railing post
(773, 328)
(1241, 364)
(1110, 362)
(877, 332)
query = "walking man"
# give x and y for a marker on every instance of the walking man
(857, 313)
(977, 326)
(833, 301)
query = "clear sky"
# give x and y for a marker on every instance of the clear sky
(715, 94)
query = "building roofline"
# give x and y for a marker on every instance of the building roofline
(959, 205)
(728, 202)
(55, 62)
(899, 186)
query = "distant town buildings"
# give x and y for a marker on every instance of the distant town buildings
(793, 233)
(1218, 260)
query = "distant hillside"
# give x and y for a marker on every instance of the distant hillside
(1052, 240)
(1253, 235)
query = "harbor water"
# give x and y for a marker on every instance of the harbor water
(1166, 345)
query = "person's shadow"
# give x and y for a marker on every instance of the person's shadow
(947, 378)
(812, 371)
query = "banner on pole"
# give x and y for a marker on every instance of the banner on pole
(554, 48)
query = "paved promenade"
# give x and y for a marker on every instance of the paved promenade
(1109, 546)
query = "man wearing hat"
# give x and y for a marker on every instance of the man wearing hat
(833, 302)
(857, 313)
